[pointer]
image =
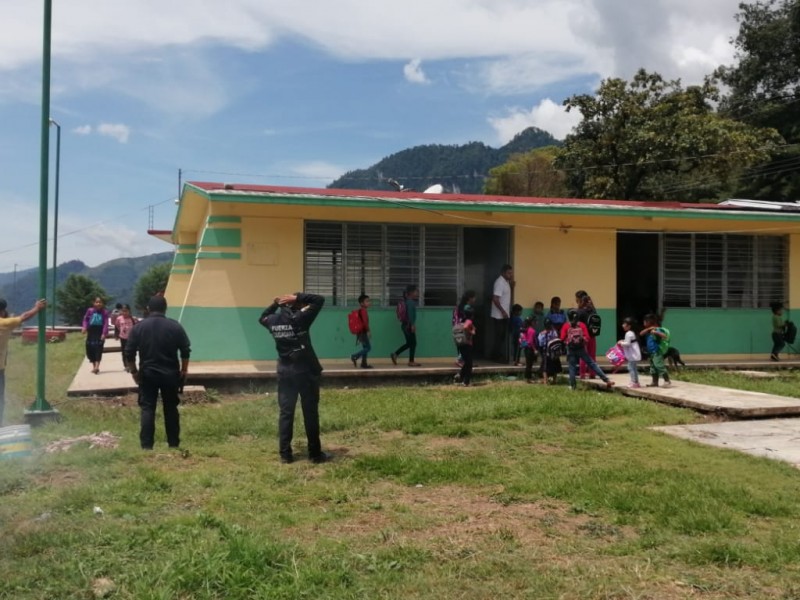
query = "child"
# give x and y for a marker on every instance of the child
(527, 341)
(556, 315)
(538, 315)
(407, 315)
(465, 348)
(630, 347)
(459, 316)
(516, 327)
(778, 339)
(575, 334)
(657, 341)
(551, 363)
(95, 328)
(363, 338)
(585, 308)
(122, 329)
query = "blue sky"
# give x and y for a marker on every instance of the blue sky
(295, 93)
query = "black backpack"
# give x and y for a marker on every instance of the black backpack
(593, 324)
(789, 332)
(555, 348)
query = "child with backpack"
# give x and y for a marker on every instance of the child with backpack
(575, 335)
(527, 343)
(630, 347)
(587, 314)
(407, 315)
(657, 343)
(359, 325)
(516, 323)
(552, 349)
(463, 334)
(555, 314)
(778, 328)
(459, 315)
(538, 315)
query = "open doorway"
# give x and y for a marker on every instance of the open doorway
(486, 249)
(638, 260)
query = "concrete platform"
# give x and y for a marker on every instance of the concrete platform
(725, 402)
(778, 439)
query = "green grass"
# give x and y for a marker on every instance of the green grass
(502, 490)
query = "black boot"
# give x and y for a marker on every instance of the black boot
(364, 364)
(655, 382)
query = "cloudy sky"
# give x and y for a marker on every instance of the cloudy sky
(295, 93)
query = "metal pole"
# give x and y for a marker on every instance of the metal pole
(40, 407)
(55, 218)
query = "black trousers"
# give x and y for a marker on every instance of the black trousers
(410, 345)
(149, 387)
(466, 369)
(530, 357)
(306, 386)
(500, 335)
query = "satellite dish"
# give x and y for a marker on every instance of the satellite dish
(435, 189)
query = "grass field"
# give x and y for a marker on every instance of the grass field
(499, 491)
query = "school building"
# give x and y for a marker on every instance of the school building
(716, 268)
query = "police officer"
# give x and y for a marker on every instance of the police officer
(289, 319)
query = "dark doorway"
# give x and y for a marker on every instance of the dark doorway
(486, 249)
(638, 261)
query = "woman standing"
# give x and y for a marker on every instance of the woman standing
(585, 309)
(95, 327)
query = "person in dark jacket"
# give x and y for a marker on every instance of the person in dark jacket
(160, 342)
(289, 320)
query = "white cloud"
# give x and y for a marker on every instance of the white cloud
(118, 131)
(413, 72)
(83, 130)
(547, 115)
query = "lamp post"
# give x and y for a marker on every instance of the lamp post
(55, 218)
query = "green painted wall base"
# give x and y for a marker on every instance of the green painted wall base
(234, 334)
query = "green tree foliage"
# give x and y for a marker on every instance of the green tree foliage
(75, 295)
(764, 91)
(650, 139)
(153, 281)
(528, 174)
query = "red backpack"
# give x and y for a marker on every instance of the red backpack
(354, 322)
(575, 337)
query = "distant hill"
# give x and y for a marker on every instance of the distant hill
(117, 277)
(460, 169)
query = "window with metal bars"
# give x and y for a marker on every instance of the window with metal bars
(344, 260)
(723, 270)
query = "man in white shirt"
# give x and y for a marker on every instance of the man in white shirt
(501, 309)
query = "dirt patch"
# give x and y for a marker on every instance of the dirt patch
(59, 479)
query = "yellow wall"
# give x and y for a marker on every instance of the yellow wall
(551, 263)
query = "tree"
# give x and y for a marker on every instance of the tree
(152, 282)
(528, 174)
(75, 295)
(650, 139)
(764, 91)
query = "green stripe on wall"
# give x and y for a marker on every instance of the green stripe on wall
(694, 331)
(220, 255)
(182, 270)
(223, 219)
(222, 238)
(183, 259)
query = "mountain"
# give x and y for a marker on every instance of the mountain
(458, 168)
(117, 277)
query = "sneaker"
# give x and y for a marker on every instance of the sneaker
(774, 357)
(393, 356)
(609, 383)
(355, 362)
(287, 460)
(667, 384)
(459, 363)
(414, 364)
(634, 386)
(366, 366)
(652, 385)
(457, 378)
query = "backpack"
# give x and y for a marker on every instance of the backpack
(593, 324)
(663, 343)
(523, 340)
(615, 355)
(789, 332)
(401, 311)
(575, 338)
(354, 322)
(460, 334)
(555, 348)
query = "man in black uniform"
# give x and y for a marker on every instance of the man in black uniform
(159, 341)
(289, 319)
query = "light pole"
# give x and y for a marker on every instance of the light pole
(55, 218)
